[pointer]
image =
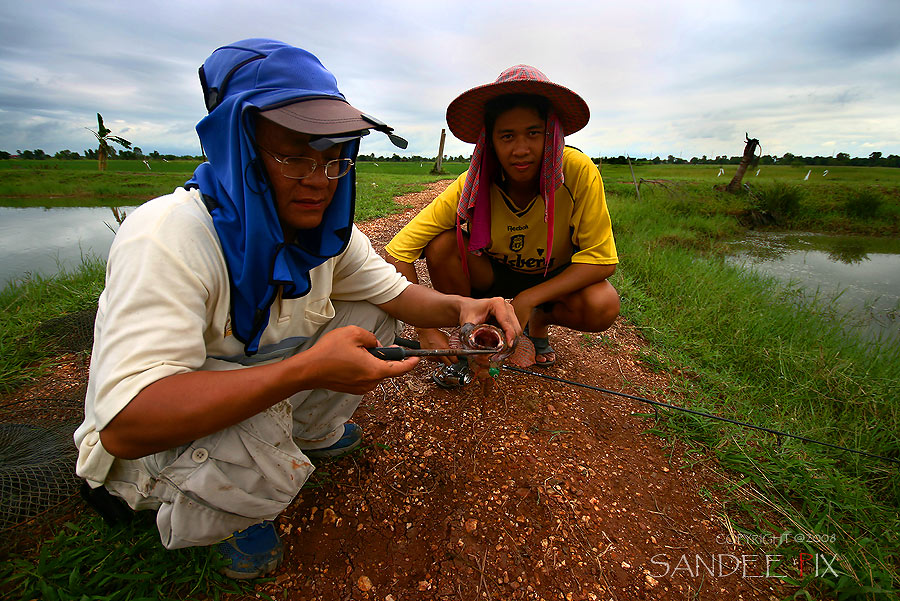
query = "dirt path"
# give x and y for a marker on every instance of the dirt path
(537, 491)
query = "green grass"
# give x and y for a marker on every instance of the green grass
(53, 183)
(410, 168)
(77, 189)
(742, 347)
(90, 166)
(89, 560)
(377, 186)
(858, 200)
(750, 351)
(708, 174)
(25, 303)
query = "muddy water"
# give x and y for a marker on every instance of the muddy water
(856, 277)
(40, 240)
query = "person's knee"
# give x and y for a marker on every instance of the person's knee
(442, 257)
(442, 248)
(365, 315)
(595, 308)
(604, 307)
(386, 329)
(384, 326)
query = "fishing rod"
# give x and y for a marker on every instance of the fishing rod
(414, 344)
(399, 353)
(735, 422)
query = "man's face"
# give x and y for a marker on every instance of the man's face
(300, 203)
(518, 140)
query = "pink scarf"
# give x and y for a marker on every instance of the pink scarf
(475, 202)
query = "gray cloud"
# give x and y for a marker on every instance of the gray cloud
(682, 78)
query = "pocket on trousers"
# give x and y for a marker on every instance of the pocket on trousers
(232, 479)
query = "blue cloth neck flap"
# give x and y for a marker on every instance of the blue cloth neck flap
(239, 80)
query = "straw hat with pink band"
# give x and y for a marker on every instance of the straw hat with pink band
(465, 117)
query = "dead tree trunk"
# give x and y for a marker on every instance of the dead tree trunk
(637, 188)
(749, 157)
(439, 163)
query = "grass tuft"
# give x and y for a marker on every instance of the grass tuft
(862, 204)
(780, 199)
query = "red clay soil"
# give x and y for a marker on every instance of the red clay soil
(537, 490)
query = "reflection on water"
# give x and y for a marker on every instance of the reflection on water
(857, 277)
(40, 240)
(848, 251)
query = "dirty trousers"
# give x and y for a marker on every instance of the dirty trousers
(232, 479)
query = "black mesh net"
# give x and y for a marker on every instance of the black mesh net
(71, 333)
(37, 470)
(37, 450)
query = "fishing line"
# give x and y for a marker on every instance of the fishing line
(701, 414)
(415, 344)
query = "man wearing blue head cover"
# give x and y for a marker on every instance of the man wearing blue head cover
(230, 342)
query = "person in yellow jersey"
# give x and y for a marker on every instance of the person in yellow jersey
(528, 221)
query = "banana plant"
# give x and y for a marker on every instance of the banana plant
(104, 137)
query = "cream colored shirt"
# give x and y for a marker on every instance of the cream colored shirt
(166, 310)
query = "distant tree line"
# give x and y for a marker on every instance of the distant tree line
(91, 153)
(396, 158)
(875, 159)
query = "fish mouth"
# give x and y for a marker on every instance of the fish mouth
(486, 337)
(482, 337)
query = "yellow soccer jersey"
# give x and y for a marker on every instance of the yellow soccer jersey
(582, 227)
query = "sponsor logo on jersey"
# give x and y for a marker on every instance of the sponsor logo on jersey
(521, 263)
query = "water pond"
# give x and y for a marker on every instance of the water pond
(855, 277)
(859, 277)
(41, 240)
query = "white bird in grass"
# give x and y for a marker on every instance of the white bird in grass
(757, 172)
(807, 175)
(826, 173)
(721, 171)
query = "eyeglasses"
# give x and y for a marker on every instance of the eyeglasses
(303, 167)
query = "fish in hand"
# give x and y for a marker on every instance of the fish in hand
(484, 336)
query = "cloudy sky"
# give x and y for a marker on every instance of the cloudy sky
(686, 78)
